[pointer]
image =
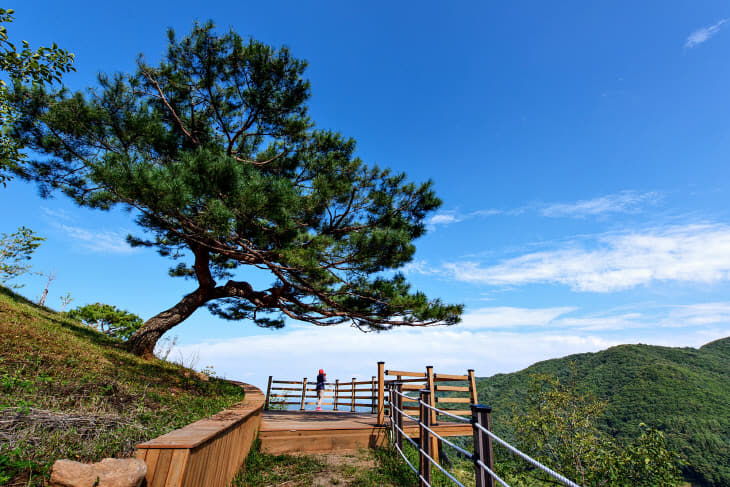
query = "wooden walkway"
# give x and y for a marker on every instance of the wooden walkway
(326, 431)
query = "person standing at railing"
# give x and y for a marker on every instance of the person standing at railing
(321, 379)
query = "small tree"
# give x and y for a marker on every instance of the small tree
(38, 66)
(16, 250)
(107, 319)
(44, 294)
(557, 426)
(214, 151)
(66, 300)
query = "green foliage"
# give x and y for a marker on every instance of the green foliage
(683, 392)
(261, 469)
(214, 150)
(558, 427)
(44, 65)
(379, 467)
(16, 250)
(69, 391)
(108, 319)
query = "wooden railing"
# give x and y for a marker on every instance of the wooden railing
(453, 393)
(350, 395)
(208, 452)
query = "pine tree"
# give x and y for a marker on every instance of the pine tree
(214, 151)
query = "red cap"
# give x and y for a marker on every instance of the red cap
(321, 371)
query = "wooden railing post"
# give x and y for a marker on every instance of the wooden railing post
(398, 390)
(472, 387)
(268, 394)
(482, 444)
(352, 402)
(430, 385)
(372, 395)
(424, 468)
(304, 393)
(381, 393)
(337, 392)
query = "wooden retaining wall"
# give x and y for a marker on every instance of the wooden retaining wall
(208, 452)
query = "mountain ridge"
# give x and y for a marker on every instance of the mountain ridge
(685, 392)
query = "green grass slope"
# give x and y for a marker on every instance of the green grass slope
(684, 392)
(68, 391)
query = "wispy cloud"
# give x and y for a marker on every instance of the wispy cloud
(56, 213)
(501, 317)
(623, 202)
(99, 241)
(698, 253)
(701, 35)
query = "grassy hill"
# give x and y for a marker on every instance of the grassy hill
(684, 392)
(68, 391)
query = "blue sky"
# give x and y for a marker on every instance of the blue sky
(581, 152)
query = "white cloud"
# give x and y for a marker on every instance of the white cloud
(444, 219)
(701, 314)
(109, 241)
(623, 202)
(509, 317)
(692, 253)
(419, 267)
(345, 352)
(701, 35)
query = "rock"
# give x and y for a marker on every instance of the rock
(110, 472)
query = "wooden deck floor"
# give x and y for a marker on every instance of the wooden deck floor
(326, 431)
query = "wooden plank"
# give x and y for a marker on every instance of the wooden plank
(454, 399)
(434, 446)
(414, 387)
(268, 392)
(152, 455)
(381, 393)
(450, 377)
(404, 374)
(163, 468)
(177, 467)
(141, 453)
(473, 387)
(458, 412)
(452, 388)
(286, 382)
(286, 389)
(304, 391)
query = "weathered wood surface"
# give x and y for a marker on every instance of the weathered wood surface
(208, 452)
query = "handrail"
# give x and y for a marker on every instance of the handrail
(482, 455)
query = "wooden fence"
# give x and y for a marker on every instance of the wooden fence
(446, 390)
(208, 452)
(441, 390)
(349, 395)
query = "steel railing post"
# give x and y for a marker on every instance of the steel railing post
(482, 444)
(424, 419)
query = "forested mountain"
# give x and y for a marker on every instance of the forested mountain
(685, 392)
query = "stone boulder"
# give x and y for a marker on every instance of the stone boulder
(110, 472)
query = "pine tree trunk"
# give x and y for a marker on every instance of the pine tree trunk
(143, 341)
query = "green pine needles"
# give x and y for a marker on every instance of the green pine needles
(215, 153)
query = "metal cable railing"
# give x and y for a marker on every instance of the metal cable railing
(526, 457)
(483, 452)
